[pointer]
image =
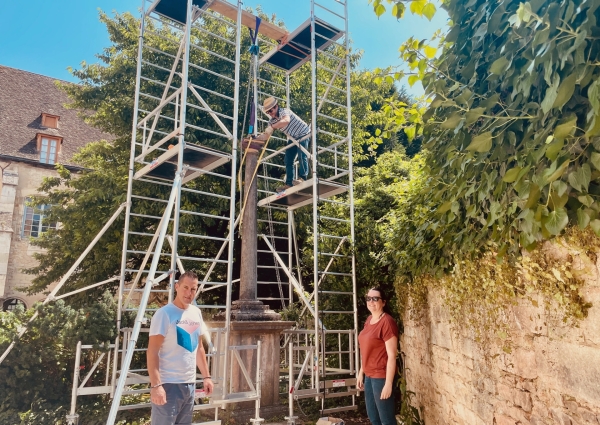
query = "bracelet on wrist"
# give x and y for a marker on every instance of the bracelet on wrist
(156, 386)
(207, 377)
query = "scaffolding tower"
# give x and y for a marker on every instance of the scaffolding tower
(184, 139)
(321, 359)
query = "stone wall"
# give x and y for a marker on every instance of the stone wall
(20, 180)
(551, 375)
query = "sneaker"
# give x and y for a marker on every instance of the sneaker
(282, 188)
(298, 181)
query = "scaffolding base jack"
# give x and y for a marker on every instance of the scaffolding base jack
(291, 420)
(73, 419)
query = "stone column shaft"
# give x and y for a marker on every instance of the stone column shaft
(248, 276)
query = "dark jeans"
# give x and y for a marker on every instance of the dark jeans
(179, 408)
(381, 412)
(290, 157)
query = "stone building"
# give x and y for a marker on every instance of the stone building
(36, 132)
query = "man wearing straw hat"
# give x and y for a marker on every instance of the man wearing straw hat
(295, 129)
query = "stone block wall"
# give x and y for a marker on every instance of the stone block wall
(551, 375)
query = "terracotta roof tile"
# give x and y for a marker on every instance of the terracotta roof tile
(24, 96)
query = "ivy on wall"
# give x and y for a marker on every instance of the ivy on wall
(477, 293)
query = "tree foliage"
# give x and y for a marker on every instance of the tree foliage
(37, 374)
(84, 203)
(379, 191)
(511, 132)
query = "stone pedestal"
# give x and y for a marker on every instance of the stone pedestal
(253, 311)
(269, 335)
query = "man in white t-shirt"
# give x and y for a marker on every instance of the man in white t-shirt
(174, 351)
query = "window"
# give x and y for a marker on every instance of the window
(48, 147)
(50, 121)
(11, 304)
(35, 221)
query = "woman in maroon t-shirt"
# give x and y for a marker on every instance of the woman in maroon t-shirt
(378, 343)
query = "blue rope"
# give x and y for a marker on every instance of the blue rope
(254, 49)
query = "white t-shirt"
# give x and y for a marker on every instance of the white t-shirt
(182, 330)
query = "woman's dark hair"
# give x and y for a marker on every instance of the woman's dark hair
(383, 295)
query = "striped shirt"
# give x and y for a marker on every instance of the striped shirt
(296, 129)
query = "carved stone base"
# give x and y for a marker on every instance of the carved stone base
(250, 311)
(249, 333)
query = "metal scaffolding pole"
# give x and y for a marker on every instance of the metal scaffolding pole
(232, 191)
(114, 408)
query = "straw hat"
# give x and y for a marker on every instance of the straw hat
(269, 103)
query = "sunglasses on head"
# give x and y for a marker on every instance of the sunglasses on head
(374, 299)
(268, 111)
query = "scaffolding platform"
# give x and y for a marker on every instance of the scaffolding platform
(302, 194)
(199, 158)
(295, 52)
(248, 19)
(176, 10)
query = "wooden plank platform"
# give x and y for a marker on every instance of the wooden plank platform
(200, 158)
(248, 19)
(295, 52)
(176, 10)
(301, 195)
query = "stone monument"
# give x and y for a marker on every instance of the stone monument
(251, 320)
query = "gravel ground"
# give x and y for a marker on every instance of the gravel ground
(350, 418)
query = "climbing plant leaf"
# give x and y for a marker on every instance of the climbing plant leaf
(429, 10)
(595, 225)
(580, 179)
(511, 175)
(556, 221)
(481, 143)
(565, 91)
(595, 160)
(499, 66)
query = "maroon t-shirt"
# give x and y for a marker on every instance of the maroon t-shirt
(371, 341)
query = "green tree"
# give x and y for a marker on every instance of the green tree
(381, 190)
(37, 374)
(511, 131)
(83, 204)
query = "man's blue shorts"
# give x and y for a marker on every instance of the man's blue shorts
(179, 408)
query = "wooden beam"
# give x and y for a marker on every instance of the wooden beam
(248, 19)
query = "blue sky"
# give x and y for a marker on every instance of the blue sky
(46, 37)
